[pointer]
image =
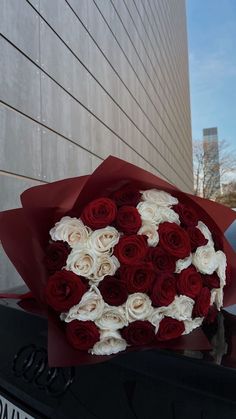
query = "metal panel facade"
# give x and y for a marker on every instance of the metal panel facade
(81, 80)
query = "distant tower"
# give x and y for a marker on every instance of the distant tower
(211, 186)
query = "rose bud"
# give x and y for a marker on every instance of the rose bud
(170, 329)
(138, 278)
(63, 290)
(205, 259)
(99, 213)
(128, 220)
(162, 198)
(138, 307)
(196, 238)
(164, 290)
(149, 230)
(139, 333)
(211, 281)
(131, 249)
(56, 256)
(218, 241)
(189, 282)
(174, 240)
(70, 230)
(162, 262)
(211, 315)
(202, 303)
(82, 334)
(114, 291)
(188, 216)
(127, 195)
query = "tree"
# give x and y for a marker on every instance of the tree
(229, 187)
(214, 162)
(228, 196)
(228, 199)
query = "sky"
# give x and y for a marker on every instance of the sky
(212, 66)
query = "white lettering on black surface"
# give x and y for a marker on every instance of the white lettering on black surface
(9, 411)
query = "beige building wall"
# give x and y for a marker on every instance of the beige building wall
(83, 79)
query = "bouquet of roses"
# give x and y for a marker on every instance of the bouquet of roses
(122, 260)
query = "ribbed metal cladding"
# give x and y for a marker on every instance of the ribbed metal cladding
(81, 80)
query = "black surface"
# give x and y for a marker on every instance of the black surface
(146, 384)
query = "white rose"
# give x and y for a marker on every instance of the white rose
(161, 198)
(181, 308)
(183, 264)
(82, 262)
(167, 214)
(155, 318)
(206, 232)
(106, 265)
(217, 296)
(221, 270)
(138, 307)
(103, 240)
(90, 307)
(154, 214)
(112, 318)
(205, 259)
(190, 325)
(148, 211)
(150, 230)
(110, 342)
(70, 230)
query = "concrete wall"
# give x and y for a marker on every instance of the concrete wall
(82, 79)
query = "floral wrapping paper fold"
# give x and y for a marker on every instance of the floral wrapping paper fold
(122, 260)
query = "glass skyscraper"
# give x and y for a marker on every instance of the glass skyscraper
(211, 182)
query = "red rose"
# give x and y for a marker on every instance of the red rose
(138, 278)
(170, 329)
(217, 240)
(211, 281)
(82, 334)
(202, 303)
(229, 274)
(56, 256)
(164, 290)
(128, 195)
(64, 289)
(189, 282)
(174, 240)
(211, 315)
(99, 213)
(187, 215)
(114, 291)
(128, 220)
(139, 333)
(196, 238)
(163, 262)
(130, 250)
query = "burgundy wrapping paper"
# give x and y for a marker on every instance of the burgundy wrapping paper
(24, 234)
(58, 347)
